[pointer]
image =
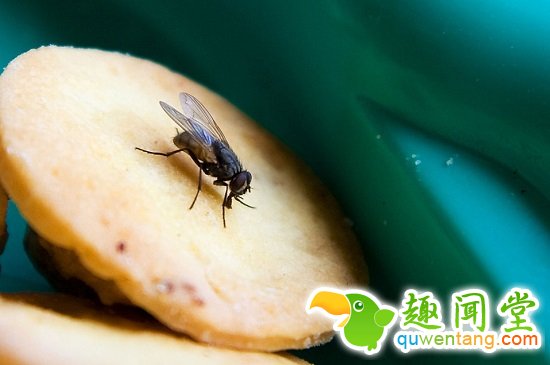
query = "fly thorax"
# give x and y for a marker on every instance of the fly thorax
(228, 163)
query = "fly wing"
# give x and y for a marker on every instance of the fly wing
(197, 113)
(203, 136)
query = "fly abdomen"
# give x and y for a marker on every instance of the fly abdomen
(188, 141)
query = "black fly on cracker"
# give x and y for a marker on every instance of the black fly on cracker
(205, 143)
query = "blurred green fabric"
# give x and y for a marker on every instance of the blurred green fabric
(429, 121)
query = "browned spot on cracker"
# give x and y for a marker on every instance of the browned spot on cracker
(189, 288)
(197, 301)
(192, 293)
(121, 247)
(105, 221)
(165, 287)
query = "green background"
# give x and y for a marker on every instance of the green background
(378, 97)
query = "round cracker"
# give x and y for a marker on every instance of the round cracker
(56, 329)
(70, 120)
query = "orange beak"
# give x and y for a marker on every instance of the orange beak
(333, 303)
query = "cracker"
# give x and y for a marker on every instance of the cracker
(65, 273)
(70, 120)
(56, 329)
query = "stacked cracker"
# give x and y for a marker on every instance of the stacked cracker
(116, 219)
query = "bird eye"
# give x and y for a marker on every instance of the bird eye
(358, 306)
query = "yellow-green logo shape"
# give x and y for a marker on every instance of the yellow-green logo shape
(363, 321)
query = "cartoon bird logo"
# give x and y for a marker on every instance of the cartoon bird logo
(365, 321)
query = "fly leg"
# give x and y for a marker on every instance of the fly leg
(192, 155)
(226, 199)
(238, 198)
(198, 188)
(165, 154)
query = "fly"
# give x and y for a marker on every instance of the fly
(205, 143)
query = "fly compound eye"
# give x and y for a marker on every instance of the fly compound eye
(239, 183)
(358, 306)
